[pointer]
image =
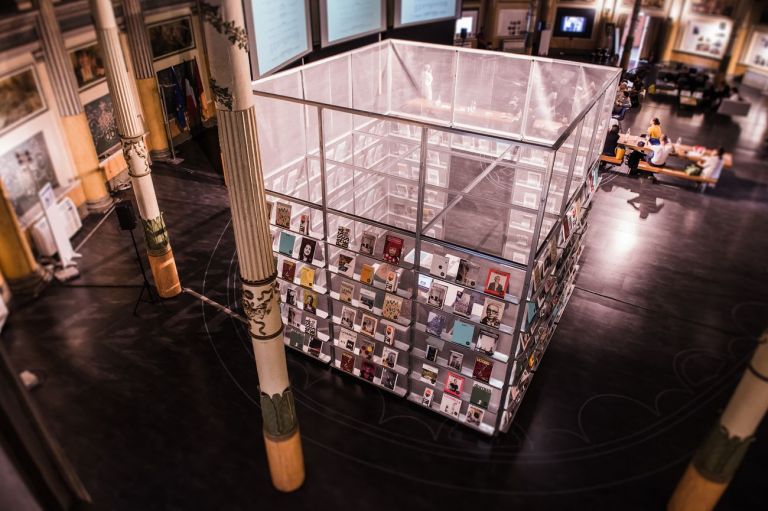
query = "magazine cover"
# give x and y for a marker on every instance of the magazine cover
(497, 283)
(310, 326)
(486, 342)
(393, 249)
(455, 360)
(435, 324)
(463, 303)
(366, 350)
(388, 379)
(283, 215)
(294, 317)
(347, 362)
(467, 273)
(287, 241)
(289, 270)
(391, 281)
(368, 325)
(493, 311)
(348, 315)
(437, 294)
(347, 339)
(367, 370)
(454, 384)
(307, 250)
(367, 298)
(389, 334)
(366, 274)
(346, 291)
(475, 415)
(481, 395)
(439, 267)
(290, 296)
(342, 237)
(392, 306)
(307, 276)
(310, 301)
(431, 353)
(426, 397)
(295, 338)
(483, 369)
(389, 357)
(367, 243)
(429, 374)
(462, 333)
(315, 345)
(304, 223)
(346, 265)
(450, 405)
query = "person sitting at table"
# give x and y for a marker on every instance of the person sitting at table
(654, 131)
(620, 92)
(660, 152)
(622, 104)
(611, 141)
(712, 165)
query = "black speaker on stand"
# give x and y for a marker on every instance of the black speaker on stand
(127, 220)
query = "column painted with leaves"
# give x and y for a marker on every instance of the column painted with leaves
(131, 127)
(64, 83)
(231, 85)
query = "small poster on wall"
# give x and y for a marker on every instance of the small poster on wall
(706, 37)
(24, 170)
(511, 23)
(712, 7)
(88, 64)
(758, 51)
(20, 98)
(170, 37)
(101, 122)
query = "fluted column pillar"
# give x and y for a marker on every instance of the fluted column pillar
(132, 133)
(62, 78)
(243, 174)
(141, 57)
(17, 263)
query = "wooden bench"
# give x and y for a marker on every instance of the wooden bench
(680, 174)
(611, 160)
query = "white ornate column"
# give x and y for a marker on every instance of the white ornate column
(141, 57)
(227, 47)
(64, 83)
(130, 124)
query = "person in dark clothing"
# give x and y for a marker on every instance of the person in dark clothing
(634, 159)
(611, 141)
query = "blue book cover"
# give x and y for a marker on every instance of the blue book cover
(531, 313)
(286, 243)
(462, 333)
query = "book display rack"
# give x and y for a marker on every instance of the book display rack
(429, 207)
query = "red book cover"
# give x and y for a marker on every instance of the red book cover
(347, 362)
(393, 249)
(483, 368)
(289, 270)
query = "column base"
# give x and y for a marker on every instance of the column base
(695, 493)
(31, 285)
(100, 206)
(165, 274)
(286, 462)
(160, 155)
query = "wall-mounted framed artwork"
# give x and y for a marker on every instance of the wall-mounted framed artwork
(101, 123)
(88, 64)
(24, 170)
(652, 7)
(171, 37)
(20, 98)
(757, 53)
(511, 23)
(707, 37)
(712, 7)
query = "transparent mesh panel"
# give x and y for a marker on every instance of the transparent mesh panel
(551, 105)
(587, 136)
(370, 78)
(422, 81)
(490, 92)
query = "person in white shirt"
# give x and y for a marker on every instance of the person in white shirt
(712, 165)
(661, 152)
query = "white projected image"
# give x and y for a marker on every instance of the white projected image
(352, 18)
(421, 11)
(280, 29)
(574, 24)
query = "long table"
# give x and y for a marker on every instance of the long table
(680, 150)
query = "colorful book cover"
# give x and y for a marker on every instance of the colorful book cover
(497, 282)
(393, 249)
(367, 370)
(307, 250)
(462, 333)
(367, 349)
(436, 296)
(367, 298)
(289, 270)
(389, 334)
(450, 405)
(463, 303)
(347, 338)
(348, 315)
(426, 397)
(429, 374)
(454, 384)
(310, 301)
(391, 281)
(389, 357)
(315, 345)
(304, 224)
(368, 325)
(486, 342)
(392, 307)
(346, 265)
(287, 240)
(342, 237)
(366, 274)
(347, 362)
(455, 360)
(307, 276)
(310, 326)
(475, 415)
(389, 379)
(467, 273)
(367, 243)
(480, 395)
(439, 267)
(530, 312)
(283, 215)
(483, 369)
(294, 317)
(346, 291)
(493, 311)
(431, 353)
(435, 324)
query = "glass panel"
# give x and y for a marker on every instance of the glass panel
(551, 105)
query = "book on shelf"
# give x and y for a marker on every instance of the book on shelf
(315, 346)
(454, 384)
(463, 303)
(367, 243)
(393, 249)
(431, 353)
(389, 357)
(345, 264)
(436, 296)
(389, 334)
(391, 281)
(429, 374)
(310, 301)
(289, 270)
(348, 315)
(493, 311)
(366, 274)
(304, 222)
(307, 250)
(346, 291)
(295, 338)
(307, 276)
(455, 360)
(287, 240)
(347, 362)
(439, 267)
(475, 415)
(497, 282)
(480, 395)
(392, 307)
(367, 349)
(435, 323)
(424, 282)
(368, 325)
(427, 395)
(450, 405)
(291, 296)
(294, 317)
(483, 369)
(310, 326)
(462, 333)
(367, 298)
(283, 215)
(487, 341)
(347, 338)
(388, 379)
(342, 237)
(270, 206)
(367, 370)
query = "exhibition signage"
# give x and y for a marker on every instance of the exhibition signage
(278, 33)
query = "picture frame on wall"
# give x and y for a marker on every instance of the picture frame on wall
(102, 125)
(170, 37)
(24, 170)
(88, 65)
(711, 7)
(705, 36)
(20, 98)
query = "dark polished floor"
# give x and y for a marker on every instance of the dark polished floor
(161, 411)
